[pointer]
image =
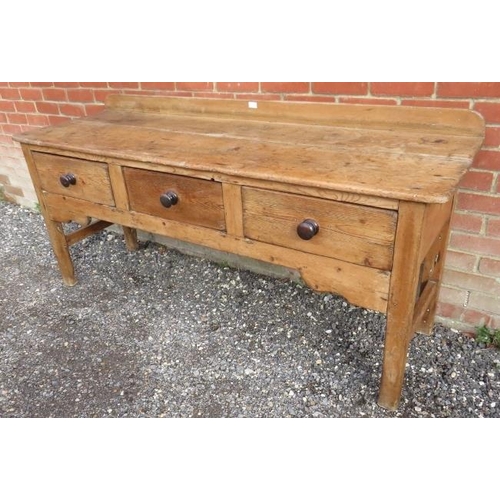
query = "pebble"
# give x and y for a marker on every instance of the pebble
(156, 333)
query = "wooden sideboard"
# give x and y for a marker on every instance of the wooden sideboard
(357, 198)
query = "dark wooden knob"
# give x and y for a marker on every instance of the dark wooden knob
(68, 180)
(307, 229)
(168, 199)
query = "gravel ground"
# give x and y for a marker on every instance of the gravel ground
(156, 333)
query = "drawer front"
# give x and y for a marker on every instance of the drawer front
(353, 233)
(90, 178)
(199, 202)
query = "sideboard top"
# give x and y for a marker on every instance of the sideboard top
(397, 152)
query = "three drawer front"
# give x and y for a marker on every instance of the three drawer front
(175, 197)
(353, 233)
(74, 177)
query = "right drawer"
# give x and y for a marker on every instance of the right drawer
(353, 233)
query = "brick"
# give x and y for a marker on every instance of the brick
(102, 95)
(3, 118)
(137, 92)
(468, 89)
(257, 97)
(489, 110)
(310, 98)
(478, 181)
(449, 310)
(14, 163)
(433, 103)
(493, 228)
(492, 137)
(66, 85)
(402, 88)
(452, 295)
(214, 95)
(42, 84)
(94, 85)
(13, 190)
(72, 109)
(174, 93)
(54, 94)
(194, 85)
(237, 86)
(346, 88)
(37, 120)
(479, 203)
(4, 180)
(25, 107)
(460, 260)
(31, 94)
(475, 244)
(489, 266)
(487, 160)
(476, 318)
(18, 118)
(92, 109)
(10, 94)
(466, 222)
(495, 321)
(484, 302)
(367, 100)
(7, 106)
(48, 108)
(123, 85)
(80, 95)
(19, 84)
(470, 281)
(12, 129)
(56, 120)
(285, 87)
(157, 86)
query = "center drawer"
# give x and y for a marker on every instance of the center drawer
(354, 233)
(176, 197)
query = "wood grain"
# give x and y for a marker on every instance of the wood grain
(92, 182)
(200, 201)
(233, 209)
(413, 154)
(55, 229)
(363, 286)
(436, 216)
(83, 232)
(402, 297)
(121, 200)
(361, 235)
(455, 120)
(329, 194)
(379, 181)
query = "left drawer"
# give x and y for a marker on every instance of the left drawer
(74, 177)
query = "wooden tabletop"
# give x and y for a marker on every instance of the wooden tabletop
(404, 153)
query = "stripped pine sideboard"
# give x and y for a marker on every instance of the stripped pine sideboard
(356, 198)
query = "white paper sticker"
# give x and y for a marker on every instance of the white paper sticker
(252, 105)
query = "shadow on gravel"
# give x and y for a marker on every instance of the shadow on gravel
(155, 333)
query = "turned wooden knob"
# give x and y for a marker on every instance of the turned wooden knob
(68, 180)
(307, 229)
(168, 199)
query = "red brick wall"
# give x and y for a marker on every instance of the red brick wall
(471, 288)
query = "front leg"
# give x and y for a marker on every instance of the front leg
(401, 306)
(61, 250)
